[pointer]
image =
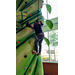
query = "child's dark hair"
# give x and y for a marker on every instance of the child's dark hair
(27, 22)
(37, 20)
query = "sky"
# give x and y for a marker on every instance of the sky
(54, 6)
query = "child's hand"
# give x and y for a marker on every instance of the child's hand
(31, 25)
(39, 21)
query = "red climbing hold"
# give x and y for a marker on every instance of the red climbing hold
(18, 42)
(41, 6)
(33, 53)
(30, 14)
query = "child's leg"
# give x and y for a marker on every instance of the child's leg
(39, 39)
(36, 44)
(40, 46)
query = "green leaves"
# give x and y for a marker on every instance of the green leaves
(48, 8)
(47, 41)
(49, 24)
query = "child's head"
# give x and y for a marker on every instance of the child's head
(36, 22)
(27, 22)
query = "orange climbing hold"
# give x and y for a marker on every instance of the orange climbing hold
(29, 71)
(24, 29)
(36, 0)
(29, 42)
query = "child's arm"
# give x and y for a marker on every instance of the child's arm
(41, 23)
(28, 25)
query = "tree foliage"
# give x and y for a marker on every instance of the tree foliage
(54, 38)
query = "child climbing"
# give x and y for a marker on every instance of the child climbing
(39, 34)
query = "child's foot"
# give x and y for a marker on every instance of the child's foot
(36, 52)
(39, 53)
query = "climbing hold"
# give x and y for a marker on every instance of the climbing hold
(29, 71)
(25, 56)
(41, 6)
(18, 42)
(36, 0)
(29, 42)
(35, 66)
(24, 29)
(30, 14)
(25, 67)
(33, 53)
(25, 2)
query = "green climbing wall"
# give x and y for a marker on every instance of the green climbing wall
(27, 63)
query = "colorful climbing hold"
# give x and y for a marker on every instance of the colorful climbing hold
(34, 65)
(29, 71)
(41, 6)
(33, 53)
(25, 67)
(25, 56)
(29, 42)
(25, 2)
(30, 14)
(18, 42)
(36, 0)
(24, 29)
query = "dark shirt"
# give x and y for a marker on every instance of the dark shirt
(37, 28)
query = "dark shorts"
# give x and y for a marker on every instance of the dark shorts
(39, 40)
(40, 37)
